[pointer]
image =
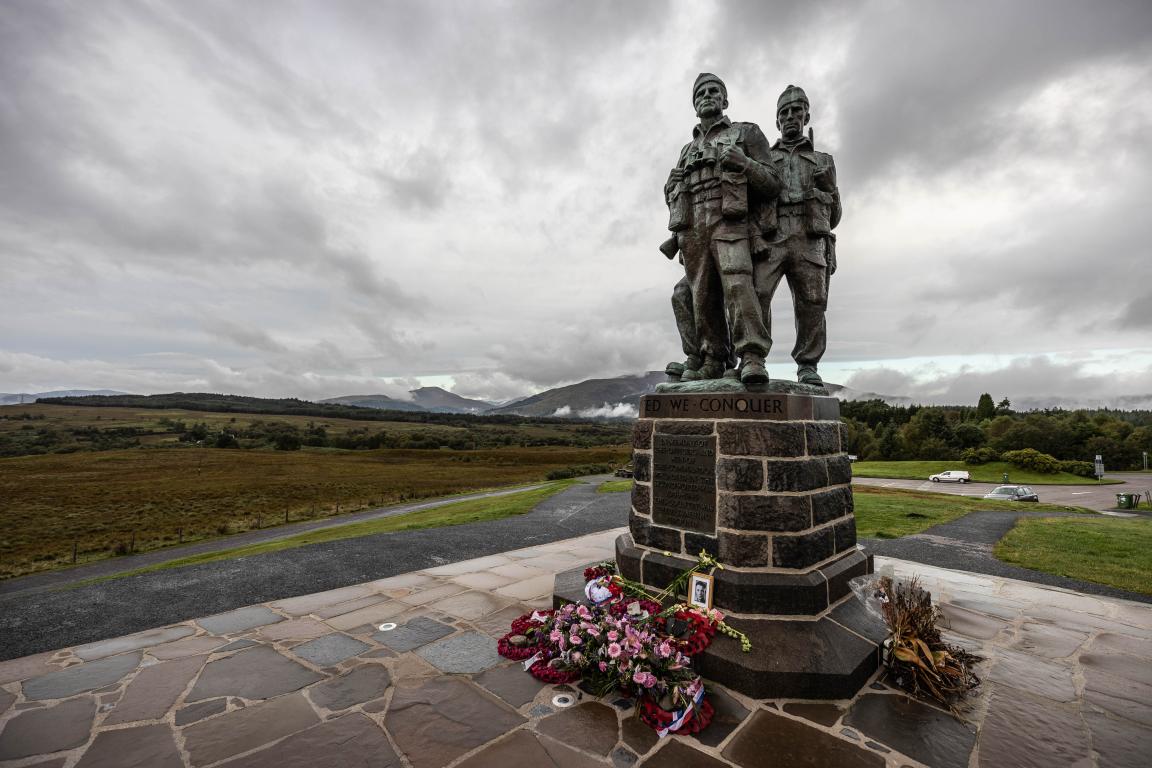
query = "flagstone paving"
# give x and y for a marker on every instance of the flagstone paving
(322, 680)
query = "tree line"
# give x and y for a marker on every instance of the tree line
(283, 436)
(878, 431)
(290, 406)
(36, 436)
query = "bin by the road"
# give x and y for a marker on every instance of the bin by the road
(1127, 500)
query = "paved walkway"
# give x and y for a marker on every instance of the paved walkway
(313, 680)
(39, 619)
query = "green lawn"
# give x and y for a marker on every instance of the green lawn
(1106, 550)
(614, 486)
(459, 513)
(993, 472)
(889, 513)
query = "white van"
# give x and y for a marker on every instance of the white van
(952, 476)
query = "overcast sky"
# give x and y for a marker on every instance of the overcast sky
(332, 197)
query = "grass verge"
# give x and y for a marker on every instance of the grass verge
(889, 513)
(992, 472)
(457, 513)
(1105, 550)
(615, 486)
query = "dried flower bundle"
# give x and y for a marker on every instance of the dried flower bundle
(918, 659)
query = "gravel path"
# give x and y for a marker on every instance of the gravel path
(966, 544)
(41, 619)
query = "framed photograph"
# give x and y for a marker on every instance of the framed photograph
(700, 591)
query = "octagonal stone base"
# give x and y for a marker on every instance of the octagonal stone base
(802, 647)
(791, 659)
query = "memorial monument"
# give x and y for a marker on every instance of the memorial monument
(751, 471)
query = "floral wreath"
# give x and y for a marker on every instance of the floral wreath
(620, 639)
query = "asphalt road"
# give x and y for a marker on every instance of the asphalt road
(35, 620)
(55, 579)
(1097, 497)
(39, 613)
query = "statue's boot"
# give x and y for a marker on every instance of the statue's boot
(676, 370)
(806, 374)
(711, 369)
(752, 370)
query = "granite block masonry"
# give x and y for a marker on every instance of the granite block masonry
(761, 481)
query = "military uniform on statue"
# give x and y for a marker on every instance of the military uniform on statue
(716, 195)
(802, 248)
(751, 473)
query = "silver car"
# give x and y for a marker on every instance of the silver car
(1013, 493)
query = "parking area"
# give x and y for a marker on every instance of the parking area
(1098, 497)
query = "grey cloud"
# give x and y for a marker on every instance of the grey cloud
(187, 215)
(1137, 312)
(916, 325)
(566, 355)
(882, 381)
(1066, 261)
(983, 57)
(422, 181)
(324, 355)
(1027, 381)
(326, 154)
(926, 84)
(284, 378)
(397, 348)
(238, 49)
(491, 385)
(244, 336)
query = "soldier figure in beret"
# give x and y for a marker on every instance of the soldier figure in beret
(799, 227)
(717, 194)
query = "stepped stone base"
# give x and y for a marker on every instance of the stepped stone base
(800, 658)
(761, 481)
(791, 659)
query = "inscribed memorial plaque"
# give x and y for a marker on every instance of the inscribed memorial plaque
(684, 482)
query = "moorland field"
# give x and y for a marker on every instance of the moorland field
(112, 480)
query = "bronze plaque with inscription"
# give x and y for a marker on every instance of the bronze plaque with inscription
(684, 482)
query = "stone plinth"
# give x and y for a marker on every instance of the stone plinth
(761, 481)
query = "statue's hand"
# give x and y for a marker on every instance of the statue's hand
(733, 158)
(676, 176)
(824, 179)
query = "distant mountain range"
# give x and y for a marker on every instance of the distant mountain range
(432, 399)
(594, 398)
(30, 397)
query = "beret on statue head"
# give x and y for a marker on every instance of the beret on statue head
(707, 77)
(791, 93)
